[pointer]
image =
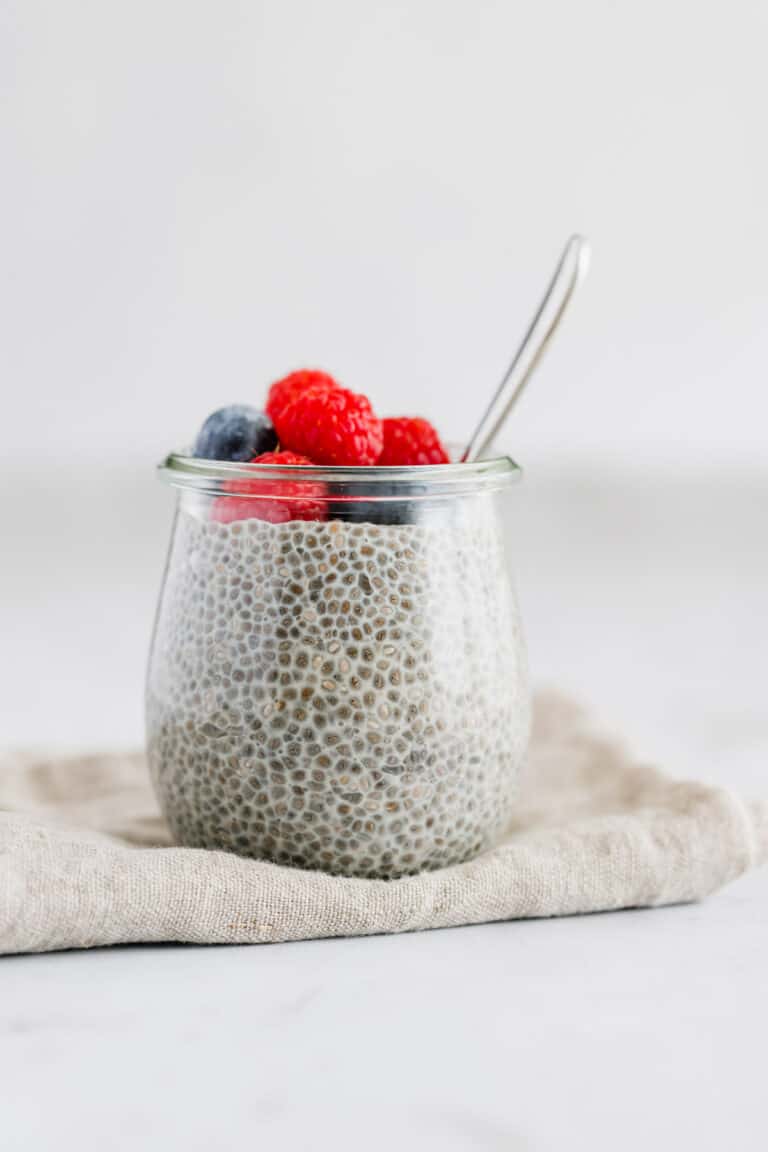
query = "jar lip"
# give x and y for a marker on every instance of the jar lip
(184, 471)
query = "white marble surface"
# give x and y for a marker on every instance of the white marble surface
(631, 1030)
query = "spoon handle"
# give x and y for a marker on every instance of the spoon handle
(571, 270)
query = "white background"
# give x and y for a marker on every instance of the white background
(197, 197)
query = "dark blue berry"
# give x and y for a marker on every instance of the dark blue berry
(407, 509)
(237, 432)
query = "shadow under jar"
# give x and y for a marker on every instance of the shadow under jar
(338, 677)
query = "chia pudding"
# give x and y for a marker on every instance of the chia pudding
(339, 695)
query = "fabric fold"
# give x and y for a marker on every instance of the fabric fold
(86, 860)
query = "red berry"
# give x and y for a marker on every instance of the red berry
(272, 500)
(332, 426)
(282, 391)
(411, 440)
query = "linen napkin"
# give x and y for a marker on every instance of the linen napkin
(86, 859)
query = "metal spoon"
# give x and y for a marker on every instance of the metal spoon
(571, 269)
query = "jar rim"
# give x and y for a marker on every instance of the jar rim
(397, 482)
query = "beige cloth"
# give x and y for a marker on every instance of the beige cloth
(85, 858)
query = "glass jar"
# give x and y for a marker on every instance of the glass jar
(338, 677)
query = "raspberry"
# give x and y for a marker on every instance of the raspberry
(282, 391)
(331, 425)
(283, 500)
(411, 440)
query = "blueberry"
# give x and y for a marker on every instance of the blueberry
(237, 432)
(405, 510)
(363, 512)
